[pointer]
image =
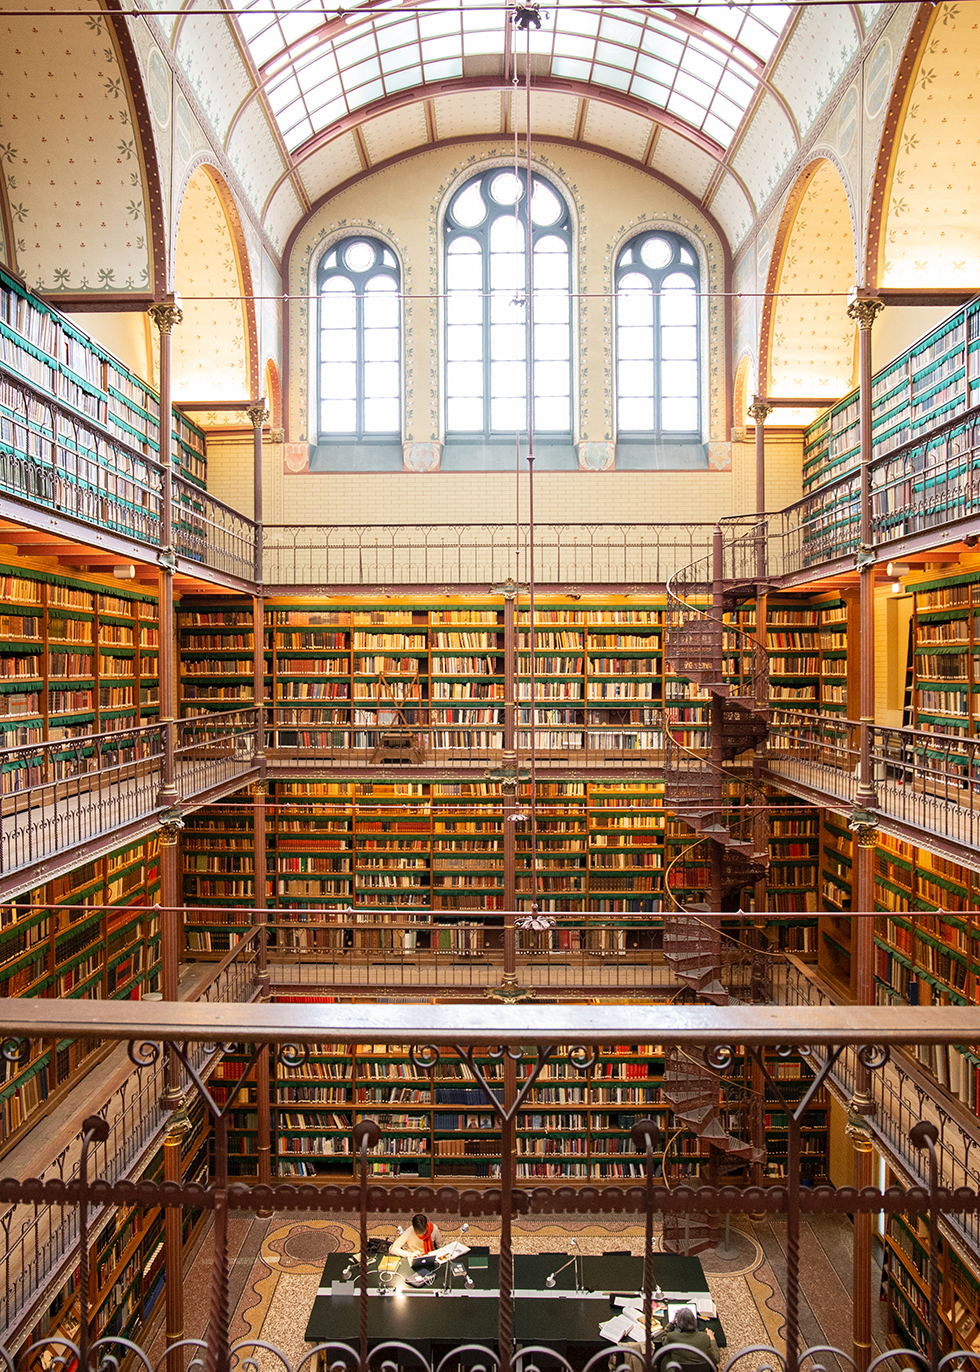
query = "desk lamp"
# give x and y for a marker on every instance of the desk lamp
(550, 1280)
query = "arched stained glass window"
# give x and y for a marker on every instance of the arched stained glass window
(658, 346)
(360, 341)
(486, 326)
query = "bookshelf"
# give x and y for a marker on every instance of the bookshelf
(946, 653)
(76, 658)
(572, 1127)
(908, 1244)
(793, 640)
(933, 382)
(792, 882)
(215, 637)
(47, 349)
(107, 946)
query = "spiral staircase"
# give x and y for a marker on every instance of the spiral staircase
(712, 789)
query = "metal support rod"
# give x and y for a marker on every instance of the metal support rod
(166, 314)
(508, 1147)
(510, 789)
(717, 708)
(258, 415)
(924, 1135)
(759, 411)
(178, 1126)
(646, 1138)
(367, 1133)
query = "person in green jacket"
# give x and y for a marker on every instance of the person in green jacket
(685, 1332)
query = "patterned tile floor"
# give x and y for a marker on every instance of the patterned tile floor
(276, 1266)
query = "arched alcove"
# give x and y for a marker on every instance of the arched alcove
(213, 347)
(929, 202)
(807, 343)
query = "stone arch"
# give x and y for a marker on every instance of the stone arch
(273, 394)
(741, 391)
(215, 350)
(806, 344)
(922, 226)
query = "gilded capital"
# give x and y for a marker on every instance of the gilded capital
(170, 831)
(166, 314)
(866, 834)
(257, 416)
(258, 788)
(865, 311)
(759, 411)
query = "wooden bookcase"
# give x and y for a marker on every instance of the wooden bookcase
(48, 349)
(47, 949)
(937, 379)
(76, 658)
(438, 1127)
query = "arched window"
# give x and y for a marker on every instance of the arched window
(658, 351)
(486, 326)
(360, 341)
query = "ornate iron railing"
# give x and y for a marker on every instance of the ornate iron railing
(522, 1041)
(60, 794)
(922, 780)
(54, 458)
(642, 555)
(902, 1095)
(39, 1243)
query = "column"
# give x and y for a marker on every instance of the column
(759, 411)
(166, 315)
(864, 311)
(171, 938)
(173, 1171)
(258, 415)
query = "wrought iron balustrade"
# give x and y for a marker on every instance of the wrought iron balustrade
(39, 1243)
(59, 794)
(903, 1093)
(923, 780)
(56, 458)
(516, 1044)
(566, 555)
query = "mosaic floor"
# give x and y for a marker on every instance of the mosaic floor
(276, 1267)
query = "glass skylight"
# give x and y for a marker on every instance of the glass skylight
(317, 68)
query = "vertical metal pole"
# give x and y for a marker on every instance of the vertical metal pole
(864, 311)
(171, 941)
(717, 709)
(759, 411)
(367, 1133)
(924, 1135)
(264, 1122)
(178, 1126)
(508, 1147)
(258, 415)
(792, 1241)
(258, 682)
(509, 788)
(166, 315)
(646, 1138)
(259, 791)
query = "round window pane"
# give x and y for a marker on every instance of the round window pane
(546, 208)
(656, 252)
(506, 188)
(359, 256)
(469, 208)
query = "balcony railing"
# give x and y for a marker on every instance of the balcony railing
(38, 1244)
(565, 555)
(903, 1094)
(52, 458)
(923, 780)
(530, 1037)
(60, 794)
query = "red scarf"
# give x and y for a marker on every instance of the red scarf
(427, 1245)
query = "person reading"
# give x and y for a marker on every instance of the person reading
(421, 1239)
(685, 1331)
